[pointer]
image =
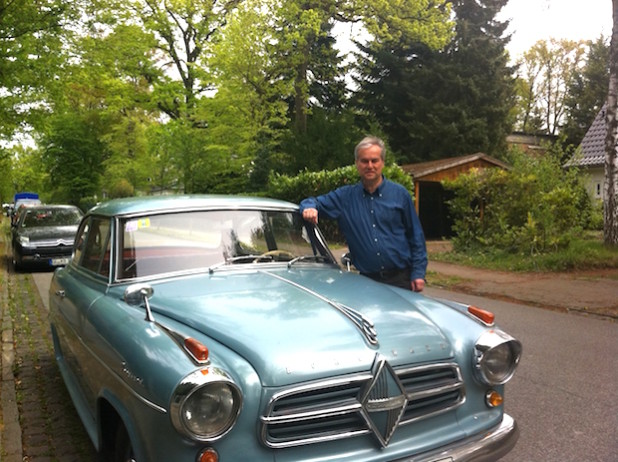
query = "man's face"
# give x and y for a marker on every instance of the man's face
(369, 163)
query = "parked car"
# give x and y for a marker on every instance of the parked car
(23, 199)
(43, 235)
(211, 328)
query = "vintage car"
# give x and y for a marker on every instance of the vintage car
(43, 235)
(212, 328)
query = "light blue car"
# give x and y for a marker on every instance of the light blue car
(221, 328)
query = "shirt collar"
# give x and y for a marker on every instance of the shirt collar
(378, 191)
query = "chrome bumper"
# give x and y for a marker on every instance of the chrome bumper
(486, 447)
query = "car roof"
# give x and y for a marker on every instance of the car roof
(172, 203)
(36, 207)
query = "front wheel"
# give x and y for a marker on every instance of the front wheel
(123, 449)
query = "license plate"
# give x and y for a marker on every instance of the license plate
(59, 261)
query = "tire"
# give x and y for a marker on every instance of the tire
(17, 265)
(123, 449)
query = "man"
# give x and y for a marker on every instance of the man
(378, 220)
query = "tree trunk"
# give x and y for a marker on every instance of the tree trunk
(610, 205)
(300, 96)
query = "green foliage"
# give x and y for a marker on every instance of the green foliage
(547, 69)
(86, 203)
(434, 104)
(23, 171)
(536, 207)
(583, 253)
(326, 145)
(31, 40)
(587, 91)
(73, 153)
(121, 188)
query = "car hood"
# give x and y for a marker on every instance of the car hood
(39, 233)
(304, 324)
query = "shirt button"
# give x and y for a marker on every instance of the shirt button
(376, 239)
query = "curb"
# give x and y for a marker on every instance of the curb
(11, 436)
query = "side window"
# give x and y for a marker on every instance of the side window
(93, 249)
(80, 241)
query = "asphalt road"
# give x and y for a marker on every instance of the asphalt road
(563, 395)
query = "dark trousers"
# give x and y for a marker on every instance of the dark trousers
(398, 277)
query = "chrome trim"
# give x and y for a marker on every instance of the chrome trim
(351, 400)
(191, 384)
(50, 243)
(488, 446)
(386, 396)
(360, 321)
(487, 342)
(136, 294)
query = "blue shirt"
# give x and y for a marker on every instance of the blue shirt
(382, 229)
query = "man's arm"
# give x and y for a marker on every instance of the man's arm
(418, 249)
(329, 205)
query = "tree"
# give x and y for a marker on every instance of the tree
(610, 187)
(185, 31)
(31, 40)
(438, 103)
(547, 68)
(587, 91)
(73, 154)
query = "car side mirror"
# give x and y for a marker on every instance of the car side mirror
(136, 294)
(346, 260)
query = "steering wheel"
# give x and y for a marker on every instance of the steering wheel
(280, 254)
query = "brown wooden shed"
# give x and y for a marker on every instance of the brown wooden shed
(430, 196)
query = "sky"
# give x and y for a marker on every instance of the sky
(534, 20)
(531, 21)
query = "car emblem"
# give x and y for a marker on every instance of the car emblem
(383, 401)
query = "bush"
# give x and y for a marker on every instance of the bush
(534, 208)
(86, 203)
(121, 188)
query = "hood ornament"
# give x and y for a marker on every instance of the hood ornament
(383, 401)
(363, 324)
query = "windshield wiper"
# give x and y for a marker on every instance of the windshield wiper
(237, 258)
(316, 258)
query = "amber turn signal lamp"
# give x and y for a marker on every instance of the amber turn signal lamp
(198, 350)
(486, 316)
(208, 455)
(493, 398)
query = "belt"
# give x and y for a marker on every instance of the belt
(386, 274)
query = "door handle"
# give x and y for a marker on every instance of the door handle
(60, 293)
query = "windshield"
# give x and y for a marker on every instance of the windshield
(50, 217)
(172, 242)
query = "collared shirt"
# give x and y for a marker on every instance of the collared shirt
(382, 229)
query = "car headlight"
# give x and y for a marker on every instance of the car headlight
(496, 357)
(24, 241)
(205, 405)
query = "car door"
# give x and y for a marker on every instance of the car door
(73, 291)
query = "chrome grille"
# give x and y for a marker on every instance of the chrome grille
(333, 409)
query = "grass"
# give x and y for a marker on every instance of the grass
(588, 253)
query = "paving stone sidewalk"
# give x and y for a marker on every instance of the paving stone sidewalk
(38, 422)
